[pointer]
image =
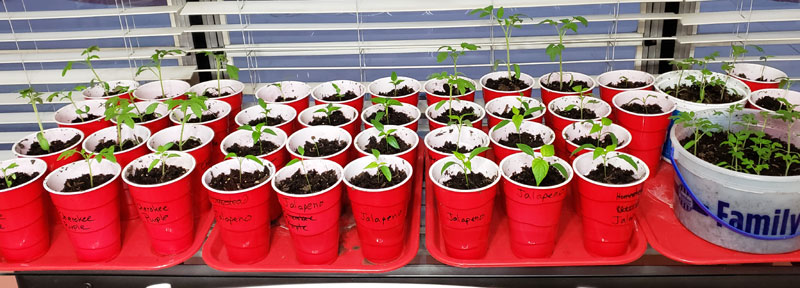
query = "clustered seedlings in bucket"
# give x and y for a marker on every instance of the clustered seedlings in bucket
(333, 116)
(158, 171)
(269, 120)
(706, 88)
(121, 111)
(388, 115)
(260, 146)
(233, 73)
(512, 82)
(508, 112)
(540, 172)
(772, 103)
(398, 90)
(386, 143)
(194, 105)
(300, 182)
(465, 163)
(239, 179)
(339, 96)
(90, 55)
(155, 67)
(522, 137)
(88, 181)
(83, 113)
(597, 137)
(573, 111)
(643, 108)
(323, 147)
(43, 146)
(556, 50)
(608, 173)
(625, 83)
(454, 82)
(459, 122)
(388, 176)
(702, 128)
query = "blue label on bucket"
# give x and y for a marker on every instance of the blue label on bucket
(666, 152)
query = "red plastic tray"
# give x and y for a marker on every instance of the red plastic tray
(136, 253)
(281, 257)
(676, 242)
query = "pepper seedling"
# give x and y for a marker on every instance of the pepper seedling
(641, 99)
(155, 66)
(461, 123)
(338, 90)
(539, 164)
(121, 111)
(582, 96)
(385, 102)
(393, 79)
(453, 80)
(465, 161)
(603, 153)
(9, 177)
(88, 156)
(162, 154)
(90, 55)
(519, 117)
(506, 24)
(67, 95)
(382, 166)
(194, 104)
(556, 50)
(256, 133)
(390, 140)
(33, 99)
(219, 58)
(232, 155)
(302, 152)
(281, 98)
(328, 110)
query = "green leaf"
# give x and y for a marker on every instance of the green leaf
(301, 150)
(153, 164)
(439, 104)
(500, 12)
(392, 142)
(569, 107)
(66, 68)
(477, 151)
(371, 165)
(582, 147)
(66, 154)
(605, 121)
(547, 150)
(376, 153)
(629, 160)
(447, 165)
(595, 128)
(598, 152)
(43, 142)
(526, 149)
(501, 124)
(539, 167)
(582, 20)
(393, 77)
(233, 71)
(441, 56)
(517, 72)
(255, 159)
(459, 156)
(386, 173)
(292, 162)
(230, 155)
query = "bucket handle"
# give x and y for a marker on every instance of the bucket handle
(716, 218)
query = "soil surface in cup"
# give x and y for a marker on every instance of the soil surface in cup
(156, 175)
(81, 183)
(383, 146)
(126, 144)
(55, 146)
(566, 86)
(593, 140)
(86, 118)
(168, 96)
(626, 84)
(348, 95)
(505, 84)
(443, 118)
(642, 109)
(285, 99)
(323, 147)
(378, 180)
(611, 174)
(394, 118)
(401, 91)
(445, 91)
(526, 177)
(336, 118)
(710, 150)
(526, 138)
(476, 180)
(146, 117)
(17, 179)
(508, 113)
(575, 113)
(212, 93)
(713, 94)
(188, 144)
(770, 103)
(260, 148)
(449, 147)
(298, 183)
(271, 121)
(116, 91)
(237, 180)
(760, 78)
(204, 118)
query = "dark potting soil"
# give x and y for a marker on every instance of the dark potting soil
(146, 117)
(326, 147)
(395, 117)
(55, 146)
(81, 183)
(335, 119)
(449, 147)
(143, 177)
(188, 144)
(446, 91)
(709, 149)
(593, 140)
(575, 113)
(476, 180)
(86, 118)
(626, 84)
(204, 118)
(298, 182)
(504, 84)
(713, 94)
(167, 96)
(233, 182)
(19, 178)
(377, 180)
(261, 148)
(212, 93)
(402, 91)
(612, 175)
(760, 78)
(383, 146)
(770, 103)
(565, 87)
(526, 177)
(642, 109)
(271, 121)
(285, 99)
(525, 138)
(346, 96)
(443, 118)
(116, 91)
(126, 144)
(508, 113)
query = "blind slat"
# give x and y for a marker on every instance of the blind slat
(727, 17)
(82, 13)
(788, 37)
(62, 55)
(83, 75)
(90, 34)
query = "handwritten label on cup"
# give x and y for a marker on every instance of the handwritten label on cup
(299, 222)
(153, 213)
(382, 219)
(307, 206)
(229, 202)
(624, 214)
(538, 196)
(77, 223)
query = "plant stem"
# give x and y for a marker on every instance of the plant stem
(219, 76)
(507, 32)
(160, 80)
(38, 119)
(560, 60)
(89, 63)
(91, 178)
(183, 125)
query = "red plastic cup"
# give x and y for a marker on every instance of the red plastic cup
(608, 210)
(243, 216)
(469, 137)
(790, 95)
(277, 157)
(607, 93)
(127, 206)
(491, 94)
(579, 129)
(431, 112)
(254, 112)
(97, 92)
(402, 133)
(24, 229)
(384, 85)
(558, 122)
(165, 208)
(406, 108)
(380, 214)
(152, 90)
(505, 103)
(312, 219)
(157, 124)
(755, 71)
(550, 95)
(320, 132)
(66, 114)
(20, 148)
(90, 217)
(233, 87)
(533, 211)
(648, 131)
(326, 89)
(436, 84)
(465, 215)
(201, 154)
(353, 126)
(219, 124)
(300, 93)
(501, 151)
